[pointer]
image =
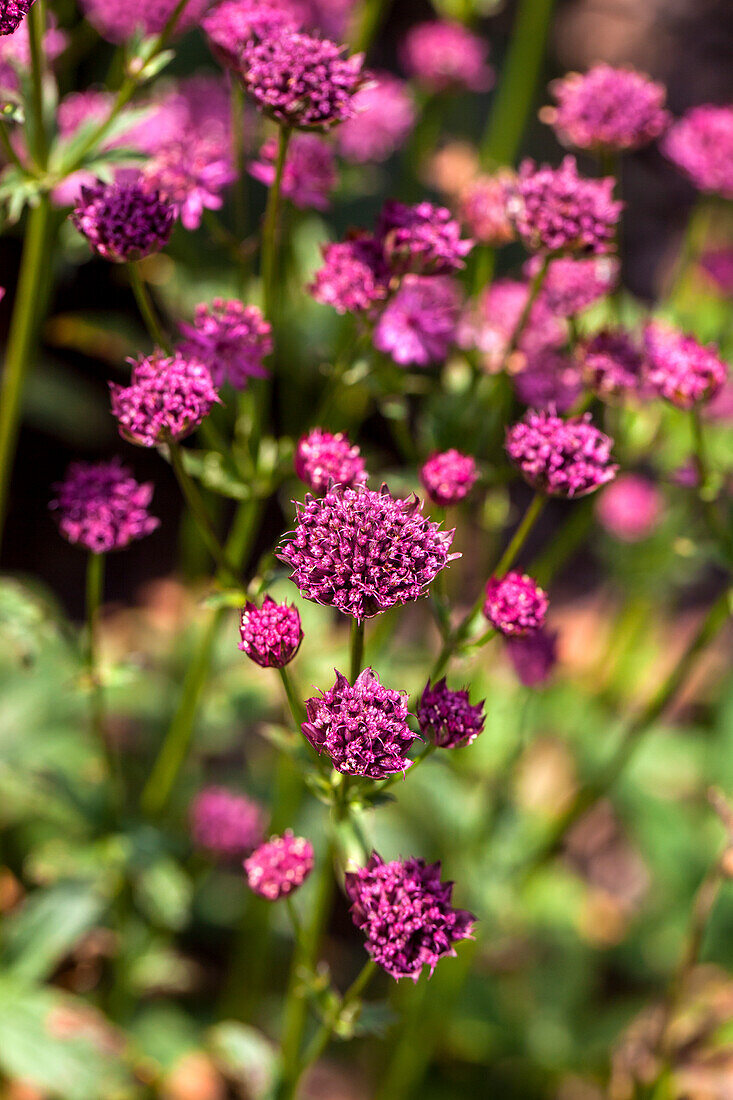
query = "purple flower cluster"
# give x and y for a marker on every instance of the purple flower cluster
(363, 551)
(234, 24)
(630, 508)
(422, 239)
(607, 108)
(117, 22)
(167, 398)
(309, 175)
(418, 325)
(679, 369)
(701, 144)
(230, 339)
(405, 913)
(123, 221)
(279, 866)
(227, 824)
(447, 717)
(489, 326)
(483, 208)
(448, 477)
(363, 727)
(571, 285)
(191, 175)
(354, 276)
(322, 459)
(271, 634)
(533, 657)
(515, 604)
(12, 14)
(564, 458)
(101, 507)
(557, 210)
(443, 56)
(384, 115)
(612, 363)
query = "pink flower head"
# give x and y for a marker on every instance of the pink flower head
(230, 339)
(167, 398)
(612, 363)
(564, 458)
(445, 56)
(515, 605)
(354, 275)
(322, 459)
(309, 175)
(12, 13)
(301, 81)
(701, 145)
(119, 20)
(363, 551)
(191, 175)
(533, 656)
(447, 718)
(384, 114)
(483, 208)
(448, 477)
(405, 913)
(630, 508)
(234, 24)
(226, 824)
(557, 210)
(607, 108)
(571, 285)
(549, 379)
(422, 239)
(363, 727)
(488, 327)
(123, 221)
(271, 634)
(101, 507)
(679, 369)
(419, 323)
(279, 866)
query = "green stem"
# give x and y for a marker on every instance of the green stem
(200, 515)
(357, 649)
(295, 704)
(271, 225)
(36, 23)
(521, 534)
(147, 309)
(9, 151)
(320, 1040)
(369, 19)
(94, 594)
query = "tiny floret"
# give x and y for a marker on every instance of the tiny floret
(167, 398)
(123, 221)
(679, 369)
(448, 477)
(565, 458)
(230, 339)
(422, 239)
(557, 210)
(101, 506)
(322, 459)
(515, 605)
(279, 866)
(225, 823)
(271, 634)
(447, 717)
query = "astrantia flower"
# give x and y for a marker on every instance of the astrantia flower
(191, 175)
(362, 727)
(101, 507)
(488, 327)
(229, 338)
(701, 144)
(570, 285)
(557, 210)
(515, 604)
(279, 866)
(405, 913)
(167, 398)
(119, 20)
(363, 551)
(123, 221)
(483, 208)
(607, 108)
(565, 458)
(448, 477)
(309, 175)
(322, 458)
(225, 823)
(233, 24)
(419, 323)
(630, 509)
(533, 656)
(12, 12)
(301, 81)
(612, 363)
(447, 717)
(384, 116)
(271, 634)
(679, 369)
(423, 239)
(354, 275)
(443, 55)
(549, 379)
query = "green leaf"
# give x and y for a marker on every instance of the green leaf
(47, 927)
(163, 892)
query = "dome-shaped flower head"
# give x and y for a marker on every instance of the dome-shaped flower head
(556, 210)
(119, 20)
(234, 24)
(701, 145)
(362, 727)
(423, 239)
(679, 369)
(322, 459)
(271, 634)
(384, 116)
(444, 56)
(309, 175)
(533, 656)
(447, 717)
(419, 323)
(225, 823)
(230, 339)
(192, 175)
(101, 507)
(515, 604)
(448, 477)
(354, 275)
(123, 221)
(483, 208)
(405, 913)
(564, 458)
(363, 551)
(12, 13)
(279, 866)
(167, 398)
(630, 508)
(612, 363)
(302, 82)
(549, 379)
(607, 109)
(571, 285)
